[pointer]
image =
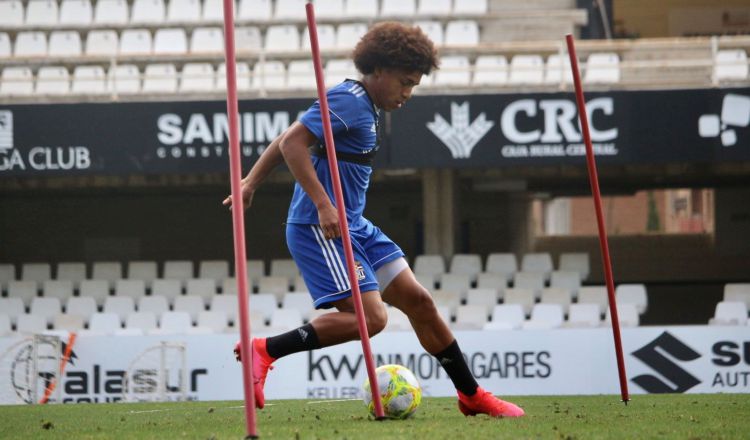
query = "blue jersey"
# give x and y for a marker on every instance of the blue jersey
(354, 122)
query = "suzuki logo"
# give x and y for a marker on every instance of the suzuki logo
(657, 355)
(459, 136)
(735, 112)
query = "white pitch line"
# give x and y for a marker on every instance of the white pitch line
(330, 401)
(149, 411)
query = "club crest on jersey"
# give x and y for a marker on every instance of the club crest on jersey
(359, 270)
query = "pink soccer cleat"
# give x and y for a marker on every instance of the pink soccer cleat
(483, 402)
(261, 364)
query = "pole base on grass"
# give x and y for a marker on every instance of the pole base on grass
(380, 419)
(251, 437)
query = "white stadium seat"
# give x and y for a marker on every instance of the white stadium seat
(285, 267)
(108, 12)
(6, 48)
(557, 295)
(264, 303)
(455, 70)
(169, 289)
(72, 271)
(228, 304)
(125, 78)
(470, 7)
(174, 323)
(490, 70)
(184, 11)
(633, 294)
(38, 272)
(730, 64)
(170, 42)
(540, 262)
(737, 292)
(326, 38)
(545, 316)
(398, 8)
(470, 317)
(594, 295)
(567, 280)
(506, 317)
(52, 80)
(147, 271)
(17, 81)
(337, 70)
(12, 307)
(76, 12)
(243, 79)
(204, 288)
(147, 11)
(60, 289)
(282, 38)
(157, 304)
(584, 315)
(11, 14)
(68, 323)
(229, 286)
(329, 9)
(456, 282)
(191, 304)
(142, 320)
(533, 281)
(433, 265)
(109, 271)
(628, 314)
(207, 40)
(558, 70)
(426, 281)
(42, 13)
(24, 290)
(286, 319)
(213, 11)
(300, 301)
(522, 297)
(349, 34)
(132, 288)
(5, 325)
(105, 323)
(29, 324)
(602, 68)
(433, 30)
(255, 10)
(301, 75)
(462, 33)
(216, 321)
(493, 281)
(269, 75)
(730, 313)
(277, 285)
(504, 264)
(178, 269)
(121, 306)
(446, 298)
(30, 44)
(434, 7)
(248, 38)
(290, 10)
(96, 289)
(575, 262)
(198, 77)
(83, 306)
(46, 308)
(102, 43)
(7, 274)
(482, 297)
(361, 8)
(526, 69)
(135, 42)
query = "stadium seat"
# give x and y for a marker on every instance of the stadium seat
(229, 286)
(533, 281)
(633, 294)
(178, 269)
(737, 292)
(174, 323)
(729, 313)
(17, 81)
(446, 298)
(557, 295)
(46, 308)
(490, 70)
(11, 14)
(299, 301)
(255, 10)
(83, 306)
(31, 324)
(72, 271)
(523, 297)
(132, 288)
(361, 8)
(300, 285)
(433, 265)
(482, 297)
(243, 79)
(492, 281)
(6, 48)
(602, 68)
(7, 274)
(170, 42)
(216, 321)
(540, 262)
(109, 12)
(213, 11)
(284, 268)
(434, 7)
(455, 70)
(558, 70)
(269, 75)
(397, 320)
(326, 38)
(290, 10)
(42, 13)
(286, 319)
(257, 322)
(470, 7)
(12, 307)
(157, 304)
(329, 9)
(191, 304)
(575, 262)
(147, 271)
(445, 313)
(142, 320)
(426, 281)
(503, 264)
(456, 282)
(147, 11)
(208, 40)
(135, 42)
(169, 289)
(470, 317)
(566, 280)
(125, 78)
(349, 34)
(60, 289)
(277, 286)
(227, 303)
(25, 290)
(398, 8)
(109, 271)
(121, 306)
(545, 316)
(462, 33)
(198, 77)
(730, 64)
(282, 38)
(433, 30)
(594, 295)
(38, 272)
(584, 315)
(337, 70)
(30, 44)
(506, 317)
(628, 314)
(96, 289)
(204, 288)
(76, 13)
(52, 80)
(5, 325)
(68, 323)
(216, 270)
(102, 43)
(184, 11)
(526, 69)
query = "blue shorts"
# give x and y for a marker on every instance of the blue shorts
(323, 264)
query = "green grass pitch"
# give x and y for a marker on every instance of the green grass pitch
(723, 416)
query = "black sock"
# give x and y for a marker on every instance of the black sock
(454, 364)
(300, 339)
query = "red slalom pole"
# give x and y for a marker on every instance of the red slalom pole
(341, 208)
(238, 218)
(594, 179)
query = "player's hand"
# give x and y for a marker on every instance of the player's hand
(329, 221)
(247, 195)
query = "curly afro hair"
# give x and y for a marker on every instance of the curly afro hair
(396, 46)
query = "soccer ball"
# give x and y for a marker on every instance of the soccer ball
(400, 392)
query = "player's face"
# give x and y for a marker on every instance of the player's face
(394, 87)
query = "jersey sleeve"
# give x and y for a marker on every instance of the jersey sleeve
(342, 108)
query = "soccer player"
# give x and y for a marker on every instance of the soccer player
(392, 58)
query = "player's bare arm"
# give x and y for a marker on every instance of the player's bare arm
(268, 161)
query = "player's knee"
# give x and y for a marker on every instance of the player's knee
(419, 304)
(376, 320)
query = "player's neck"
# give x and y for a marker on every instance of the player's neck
(367, 82)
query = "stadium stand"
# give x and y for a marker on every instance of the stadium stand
(506, 317)
(83, 306)
(12, 308)
(730, 313)
(545, 317)
(75, 272)
(98, 290)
